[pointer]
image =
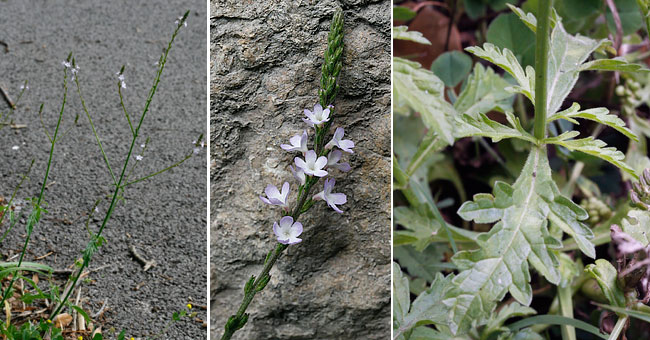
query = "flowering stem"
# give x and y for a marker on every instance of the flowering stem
(96, 239)
(35, 215)
(92, 126)
(327, 93)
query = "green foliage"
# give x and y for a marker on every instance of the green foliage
(507, 31)
(605, 275)
(423, 92)
(452, 67)
(402, 33)
(531, 216)
(628, 11)
(402, 13)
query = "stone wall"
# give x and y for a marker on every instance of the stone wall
(265, 59)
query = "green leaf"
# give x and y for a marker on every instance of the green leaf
(430, 144)
(637, 225)
(599, 114)
(421, 264)
(484, 91)
(486, 208)
(401, 179)
(475, 8)
(507, 31)
(402, 33)
(401, 296)
(421, 90)
(634, 313)
(615, 64)
(483, 126)
(628, 11)
(426, 309)
(509, 311)
(605, 274)
(556, 320)
(594, 147)
(417, 220)
(452, 67)
(402, 13)
(82, 312)
(508, 62)
(521, 237)
(569, 269)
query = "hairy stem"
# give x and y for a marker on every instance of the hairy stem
(541, 62)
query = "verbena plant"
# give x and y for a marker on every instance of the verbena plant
(13, 271)
(316, 162)
(531, 216)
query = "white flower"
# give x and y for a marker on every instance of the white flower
(66, 64)
(332, 199)
(15, 147)
(74, 70)
(24, 87)
(275, 197)
(120, 77)
(179, 20)
(196, 151)
(318, 117)
(298, 143)
(142, 145)
(337, 140)
(312, 166)
(287, 231)
(298, 174)
(138, 157)
(333, 161)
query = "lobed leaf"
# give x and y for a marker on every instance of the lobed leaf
(484, 91)
(416, 219)
(508, 62)
(483, 126)
(599, 114)
(520, 238)
(402, 33)
(594, 147)
(421, 90)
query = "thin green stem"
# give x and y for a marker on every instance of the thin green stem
(541, 62)
(7, 208)
(111, 207)
(158, 172)
(35, 216)
(126, 114)
(565, 295)
(92, 126)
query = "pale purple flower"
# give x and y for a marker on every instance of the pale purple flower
(312, 166)
(138, 157)
(15, 147)
(66, 64)
(275, 197)
(24, 87)
(624, 242)
(318, 117)
(337, 140)
(287, 231)
(298, 143)
(298, 174)
(332, 199)
(333, 161)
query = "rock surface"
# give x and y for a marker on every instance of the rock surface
(265, 59)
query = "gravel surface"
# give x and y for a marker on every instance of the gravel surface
(164, 218)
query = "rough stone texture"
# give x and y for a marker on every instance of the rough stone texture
(164, 218)
(265, 68)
